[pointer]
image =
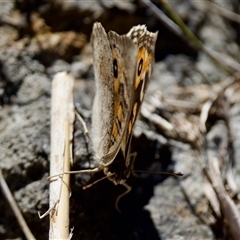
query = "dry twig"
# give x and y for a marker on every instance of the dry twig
(8, 195)
(229, 209)
(62, 117)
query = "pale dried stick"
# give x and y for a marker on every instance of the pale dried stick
(8, 195)
(229, 209)
(212, 197)
(204, 116)
(62, 118)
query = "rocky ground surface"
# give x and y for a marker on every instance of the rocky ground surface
(40, 39)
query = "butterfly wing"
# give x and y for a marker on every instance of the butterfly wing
(114, 68)
(104, 97)
(145, 41)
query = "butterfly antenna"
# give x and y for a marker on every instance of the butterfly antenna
(178, 174)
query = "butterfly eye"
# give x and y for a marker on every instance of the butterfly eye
(115, 68)
(140, 65)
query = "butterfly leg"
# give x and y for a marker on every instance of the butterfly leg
(86, 132)
(75, 172)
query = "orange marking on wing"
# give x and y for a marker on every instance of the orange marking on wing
(147, 58)
(135, 107)
(120, 113)
(115, 131)
(116, 85)
(130, 127)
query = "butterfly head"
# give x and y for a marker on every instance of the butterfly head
(117, 171)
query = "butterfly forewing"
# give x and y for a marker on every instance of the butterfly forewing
(123, 53)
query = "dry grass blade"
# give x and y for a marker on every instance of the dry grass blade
(8, 195)
(212, 198)
(62, 117)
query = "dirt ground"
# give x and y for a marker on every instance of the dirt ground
(189, 121)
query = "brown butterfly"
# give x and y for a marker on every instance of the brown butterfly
(122, 67)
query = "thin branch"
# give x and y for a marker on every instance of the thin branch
(228, 207)
(9, 197)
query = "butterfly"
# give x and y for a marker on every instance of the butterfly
(122, 67)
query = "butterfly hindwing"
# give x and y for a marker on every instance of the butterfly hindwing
(145, 41)
(104, 98)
